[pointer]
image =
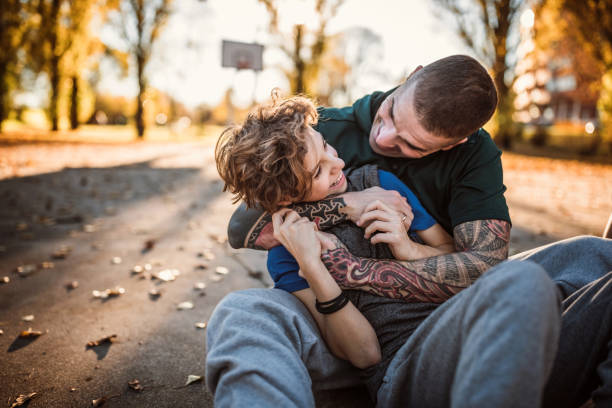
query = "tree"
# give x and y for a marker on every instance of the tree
(141, 22)
(485, 26)
(305, 56)
(16, 18)
(591, 23)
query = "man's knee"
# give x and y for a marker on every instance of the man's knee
(525, 280)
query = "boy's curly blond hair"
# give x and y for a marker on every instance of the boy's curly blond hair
(262, 161)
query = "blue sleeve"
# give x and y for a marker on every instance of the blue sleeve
(422, 220)
(284, 269)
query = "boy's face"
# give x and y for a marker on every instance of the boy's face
(326, 167)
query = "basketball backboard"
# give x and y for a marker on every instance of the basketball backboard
(242, 55)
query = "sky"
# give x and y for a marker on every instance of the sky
(187, 60)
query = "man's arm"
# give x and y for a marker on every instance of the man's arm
(481, 243)
(250, 228)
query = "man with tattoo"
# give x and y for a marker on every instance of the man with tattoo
(264, 348)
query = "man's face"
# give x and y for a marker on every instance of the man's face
(396, 131)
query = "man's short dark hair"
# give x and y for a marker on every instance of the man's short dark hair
(453, 96)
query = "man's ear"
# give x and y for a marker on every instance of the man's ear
(455, 144)
(413, 72)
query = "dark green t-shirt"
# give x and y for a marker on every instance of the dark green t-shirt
(458, 185)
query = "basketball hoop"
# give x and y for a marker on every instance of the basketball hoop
(242, 55)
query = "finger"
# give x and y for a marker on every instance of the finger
(291, 217)
(378, 226)
(373, 216)
(384, 238)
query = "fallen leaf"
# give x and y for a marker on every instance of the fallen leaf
(148, 267)
(200, 325)
(221, 270)
(116, 260)
(167, 275)
(27, 318)
(135, 385)
(154, 293)
(30, 334)
(99, 402)
(201, 266)
(148, 245)
(22, 399)
(219, 238)
(184, 306)
(216, 278)
(137, 269)
(103, 340)
(25, 270)
(72, 285)
(1, 332)
(199, 286)
(5, 279)
(117, 291)
(72, 389)
(47, 265)
(208, 254)
(193, 379)
(89, 228)
(22, 226)
(62, 252)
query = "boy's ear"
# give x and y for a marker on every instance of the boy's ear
(284, 202)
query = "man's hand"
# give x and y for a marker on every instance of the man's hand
(357, 201)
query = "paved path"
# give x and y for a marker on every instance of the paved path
(153, 204)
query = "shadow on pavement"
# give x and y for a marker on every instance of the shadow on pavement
(20, 343)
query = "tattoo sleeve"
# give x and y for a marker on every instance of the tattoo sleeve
(480, 245)
(325, 213)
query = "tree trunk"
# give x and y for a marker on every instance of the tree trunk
(74, 103)
(3, 92)
(54, 69)
(300, 66)
(140, 125)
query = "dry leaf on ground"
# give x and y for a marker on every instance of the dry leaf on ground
(185, 306)
(117, 291)
(200, 325)
(26, 270)
(103, 340)
(22, 399)
(135, 385)
(221, 270)
(28, 318)
(5, 279)
(199, 286)
(62, 252)
(193, 379)
(167, 275)
(30, 334)
(116, 260)
(72, 285)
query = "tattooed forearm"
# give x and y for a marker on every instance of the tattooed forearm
(325, 213)
(483, 244)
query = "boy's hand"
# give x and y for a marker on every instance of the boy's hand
(357, 201)
(298, 235)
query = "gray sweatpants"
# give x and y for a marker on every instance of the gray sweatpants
(493, 344)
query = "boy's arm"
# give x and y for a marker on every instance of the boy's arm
(482, 244)
(252, 228)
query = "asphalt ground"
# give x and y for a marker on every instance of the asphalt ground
(97, 211)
